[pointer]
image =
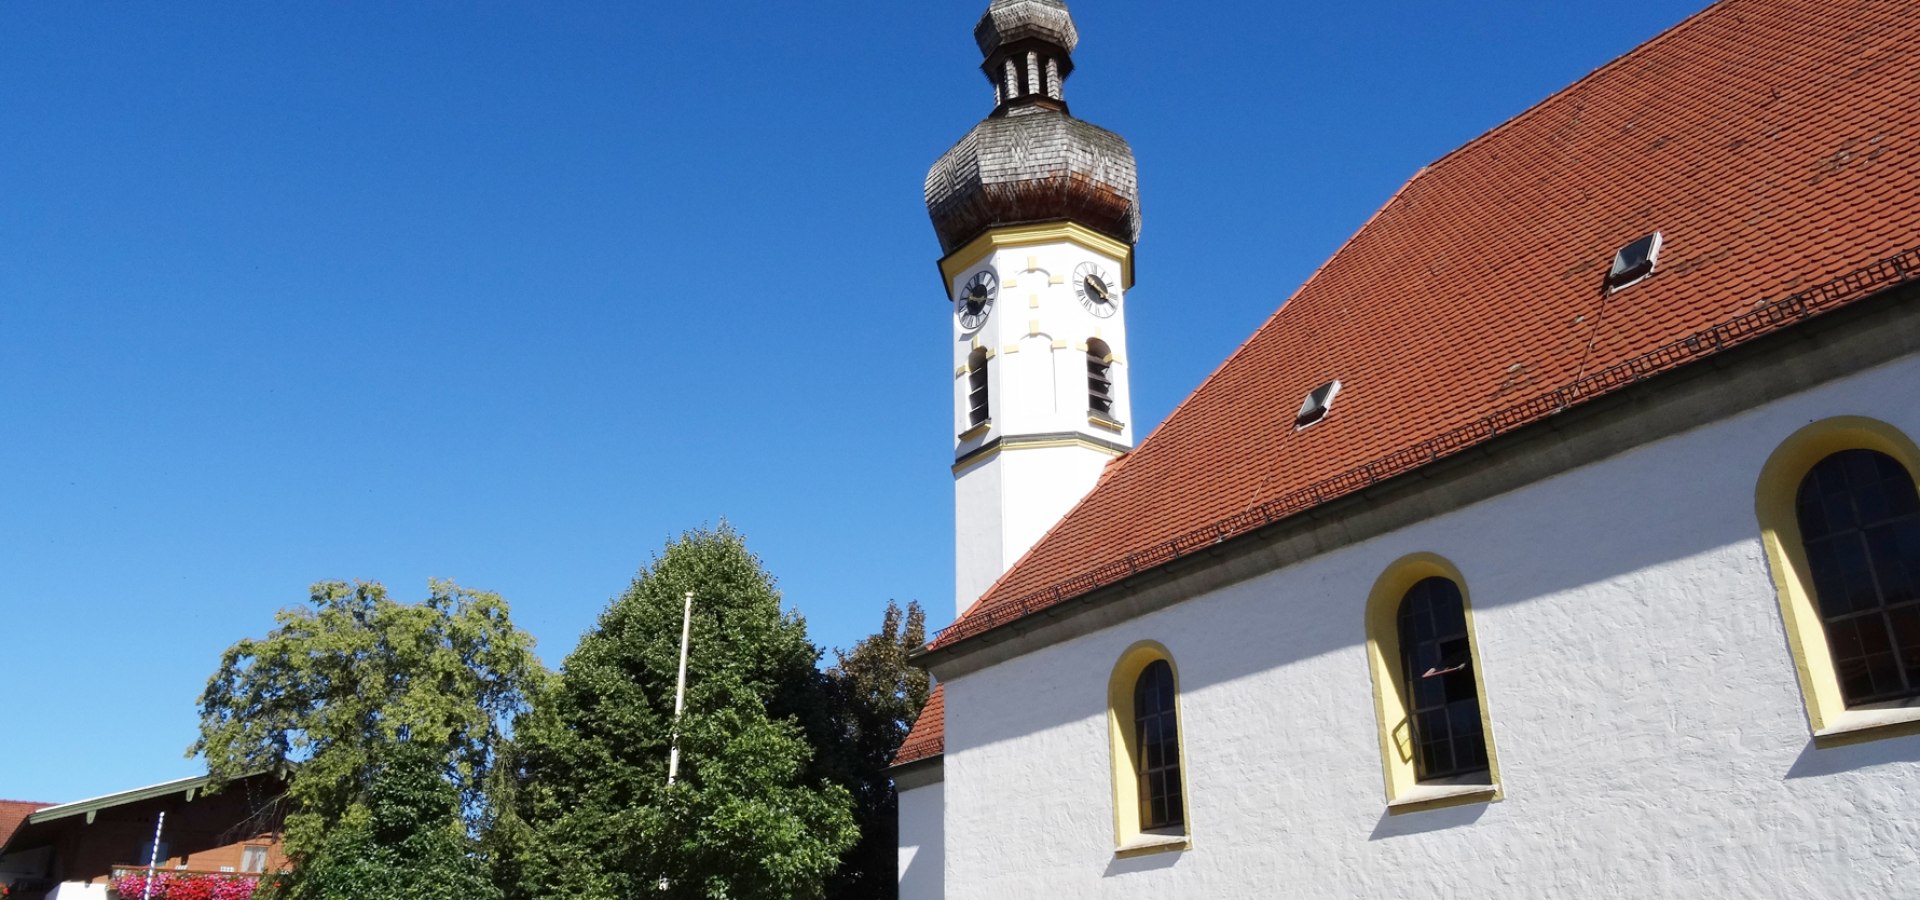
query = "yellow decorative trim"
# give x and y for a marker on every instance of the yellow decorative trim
(1154, 843)
(1010, 348)
(1404, 792)
(1057, 279)
(1011, 444)
(1033, 301)
(1128, 838)
(1080, 346)
(1100, 421)
(975, 431)
(988, 352)
(1033, 327)
(979, 248)
(961, 370)
(1060, 345)
(974, 343)
(1010, 283)
(1424, 798)
(1863, 725)
(1827, 713)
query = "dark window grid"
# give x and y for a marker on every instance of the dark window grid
(1099, 385)
(1443, 698)
(1156, 738)
(1859, 518)
(977, 389)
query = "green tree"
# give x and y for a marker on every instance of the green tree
(755, 812)
(878, 696)
(405, 839)
(354, 689)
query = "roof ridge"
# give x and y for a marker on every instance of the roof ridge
(1514, 120)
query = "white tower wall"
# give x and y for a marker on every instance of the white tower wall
(1044, 446)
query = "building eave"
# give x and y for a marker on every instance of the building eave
(189, 786)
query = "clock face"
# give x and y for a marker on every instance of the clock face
(976, 299)
(1097, 290)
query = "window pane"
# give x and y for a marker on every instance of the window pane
(1906, 640)
(1895, 551)
(1156, 729)
(1893, 478)
(1860, 520)
(1440, 687)
(1829, 584)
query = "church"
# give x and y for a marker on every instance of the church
(1558, 537)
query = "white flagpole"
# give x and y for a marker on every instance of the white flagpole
(680, 691)
(153, 854)
(679, 700)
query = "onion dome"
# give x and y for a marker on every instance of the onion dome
(1030, 160)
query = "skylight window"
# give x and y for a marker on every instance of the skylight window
(1319, 401)
(1634, 262)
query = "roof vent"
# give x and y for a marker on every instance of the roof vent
(1315, 407)
(1634, 262)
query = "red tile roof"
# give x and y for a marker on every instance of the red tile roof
(928, 738)
(1774, 143)
(13, 814)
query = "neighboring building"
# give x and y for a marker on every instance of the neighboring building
(73, 850)
(1558, 537)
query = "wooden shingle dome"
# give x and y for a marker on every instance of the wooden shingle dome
(1030, 160)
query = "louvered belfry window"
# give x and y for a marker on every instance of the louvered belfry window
(977, 388)
(1443, 694)
(1156, 730)
(1859, 518)
(1099, 379)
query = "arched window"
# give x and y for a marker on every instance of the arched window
(1443, 698)
(1149, 784)
(1156, 729)
(1436, 742)
(1099, 378)
(1840, 523)
(977, 400)
(1859, 518)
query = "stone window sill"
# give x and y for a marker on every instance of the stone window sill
(1145, 844)
(1110, 424)
(976, 431)
(1856, 726)
(1423, 797)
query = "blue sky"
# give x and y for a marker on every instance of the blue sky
(512, 293)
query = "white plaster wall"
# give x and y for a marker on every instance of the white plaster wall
(75, 890)
(923, 842)
(1651, 735)
(979, 550)
(1003, 506)
(1040, 484)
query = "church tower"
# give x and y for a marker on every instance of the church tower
(1037, 213)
